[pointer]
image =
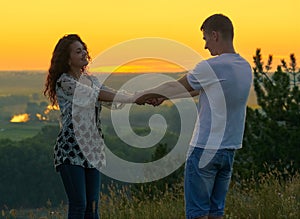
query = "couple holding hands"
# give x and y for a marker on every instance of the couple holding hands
(216, 131)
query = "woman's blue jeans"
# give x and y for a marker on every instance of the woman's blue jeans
(82, 186)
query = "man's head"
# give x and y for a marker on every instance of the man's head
(217, 33)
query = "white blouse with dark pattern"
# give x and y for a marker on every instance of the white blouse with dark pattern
(80, 140)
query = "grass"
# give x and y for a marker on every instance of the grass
(268, 196)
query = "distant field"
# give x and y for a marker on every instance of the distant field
(19, 131)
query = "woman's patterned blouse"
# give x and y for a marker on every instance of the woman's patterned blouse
(80, 140)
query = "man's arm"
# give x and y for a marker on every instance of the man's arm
(192, 93)
(170, 90)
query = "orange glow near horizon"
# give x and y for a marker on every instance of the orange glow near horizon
(148, 65)
(30, 29)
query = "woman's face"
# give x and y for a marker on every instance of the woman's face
(78, 55)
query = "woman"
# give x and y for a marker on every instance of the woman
(79, 150)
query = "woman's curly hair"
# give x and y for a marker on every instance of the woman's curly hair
(60, 64)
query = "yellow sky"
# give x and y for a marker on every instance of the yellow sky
(30, 29)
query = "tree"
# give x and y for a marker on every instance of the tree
(27, 175)
(272, 132)
(278, 94)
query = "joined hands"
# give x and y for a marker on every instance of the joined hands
(142, 98)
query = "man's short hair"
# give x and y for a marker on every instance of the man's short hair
(219, 23)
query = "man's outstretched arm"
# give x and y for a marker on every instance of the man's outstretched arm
(169, 90)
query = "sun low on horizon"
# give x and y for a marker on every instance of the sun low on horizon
(30, 29)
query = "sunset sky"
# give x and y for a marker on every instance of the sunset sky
(30, 29)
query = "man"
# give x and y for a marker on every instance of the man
(223, 84)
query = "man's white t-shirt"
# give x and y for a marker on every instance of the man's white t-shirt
(224, 83)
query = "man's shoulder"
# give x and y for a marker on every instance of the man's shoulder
(213, 61)
(227, 59)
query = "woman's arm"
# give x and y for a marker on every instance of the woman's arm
(108, 94)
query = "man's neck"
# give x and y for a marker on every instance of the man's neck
(226, 48)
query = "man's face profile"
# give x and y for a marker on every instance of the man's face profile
(210, 42)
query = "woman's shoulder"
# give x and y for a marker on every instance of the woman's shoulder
(66, 78)
(62, 77)
(66, 81)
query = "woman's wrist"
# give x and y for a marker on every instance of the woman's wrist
(124, 97)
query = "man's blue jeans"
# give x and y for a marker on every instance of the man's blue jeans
(82, 186)
(206, 186)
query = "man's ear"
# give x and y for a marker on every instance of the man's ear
(215, 35)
